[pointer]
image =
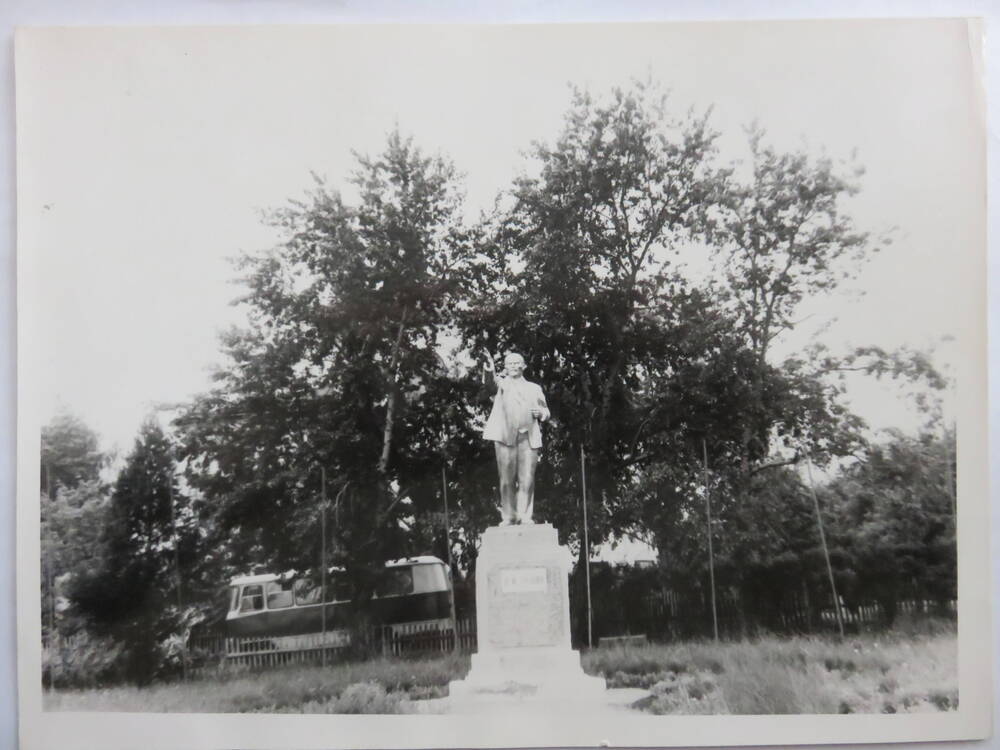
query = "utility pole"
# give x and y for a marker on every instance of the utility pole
(711, 555)
(322, 565)
(53, 640)
(586, 545)
(949, 456)
(54, 645)
(826, 551)
(447, 544)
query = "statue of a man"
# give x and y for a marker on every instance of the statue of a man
(518, 410)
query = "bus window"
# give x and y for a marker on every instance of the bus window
(279, 594)
(429, 578)
(395, 582)
(252, 599)
(338, 589)
(306, 592)
(234, 598)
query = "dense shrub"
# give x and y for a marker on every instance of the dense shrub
(82, 661)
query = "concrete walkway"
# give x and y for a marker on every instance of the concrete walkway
(615, 701)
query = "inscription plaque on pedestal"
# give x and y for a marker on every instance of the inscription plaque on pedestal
(520, 580)
(525, 606)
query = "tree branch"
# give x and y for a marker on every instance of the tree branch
(776, 464)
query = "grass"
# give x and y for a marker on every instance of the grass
(908, 670)
(887, 673)
(377, 686)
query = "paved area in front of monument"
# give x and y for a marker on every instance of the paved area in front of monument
(615, 701)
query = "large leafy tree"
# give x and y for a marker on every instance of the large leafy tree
(339, 374)
(636, 363)
(781, 233)
(778, 228)
(767, 551)
(643, 368)
(895, 515)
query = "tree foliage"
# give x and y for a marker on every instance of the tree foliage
(339, 371)
(590, 296)
(784, 236)
(69, 454)
(641, 366)
(350, 365)
(129, 589)
(72, 525)
(73, 507)
(894, 514)
(781, 234)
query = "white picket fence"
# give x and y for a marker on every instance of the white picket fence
(211, 652)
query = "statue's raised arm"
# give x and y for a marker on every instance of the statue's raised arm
(489, 366)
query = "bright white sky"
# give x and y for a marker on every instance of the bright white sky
(146, 156)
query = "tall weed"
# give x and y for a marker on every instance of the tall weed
(376, 686)
(913, 670)
(888, 673)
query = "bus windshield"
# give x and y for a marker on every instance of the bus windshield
(395, 582)
(429, 578)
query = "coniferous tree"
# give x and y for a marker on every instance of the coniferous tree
(131, 595)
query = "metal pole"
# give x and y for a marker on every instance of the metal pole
(447, 544)
(322, 565)
(177, 573)
(53, 645)
(949, 475)
(50, 600)
(826, 552)
(711, 554)
(586, 546)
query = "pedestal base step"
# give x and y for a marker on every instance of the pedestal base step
(552, 676)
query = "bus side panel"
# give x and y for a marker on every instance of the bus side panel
(396, 609)
(289, 621)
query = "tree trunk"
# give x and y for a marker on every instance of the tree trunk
(390, 408)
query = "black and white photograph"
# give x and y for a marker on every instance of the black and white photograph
(502, 385)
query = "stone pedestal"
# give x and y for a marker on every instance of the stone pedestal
(523, 632)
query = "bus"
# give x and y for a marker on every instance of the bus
(287, 609)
